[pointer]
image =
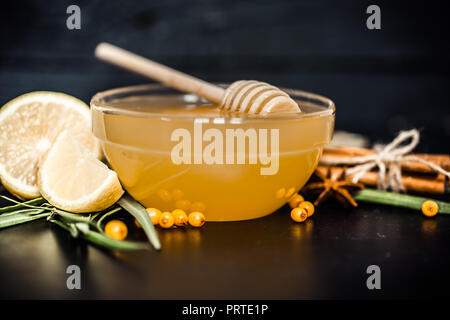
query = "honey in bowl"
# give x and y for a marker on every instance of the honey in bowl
(173, 150)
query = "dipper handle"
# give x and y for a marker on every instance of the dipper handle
(159, 72)
(253, 97)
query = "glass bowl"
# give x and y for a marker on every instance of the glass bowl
(175, 150)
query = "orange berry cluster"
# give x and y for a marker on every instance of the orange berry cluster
(301, 209)
(177, 217)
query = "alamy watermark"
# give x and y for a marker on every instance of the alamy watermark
(374, 20)
(227, 148)
(73, 22)
(374, 280)
(74, 280)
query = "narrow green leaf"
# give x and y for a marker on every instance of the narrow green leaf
(12, 220)
(23, 211)
(94, 216)
(101, 239)
(73, 230)
(397, 199)
(28, 204)
(141, 215)
(75, 217)
(107, 242)
(83, 227)
(60, 224)
(98, 225)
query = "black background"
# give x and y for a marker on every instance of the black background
(382, 81)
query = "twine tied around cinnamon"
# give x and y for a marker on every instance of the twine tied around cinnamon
(388, 160)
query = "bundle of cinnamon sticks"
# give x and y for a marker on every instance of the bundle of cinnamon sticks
(416, 177)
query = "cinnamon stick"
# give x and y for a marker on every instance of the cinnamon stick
(411, 183)
(442, 160)
(420, 184)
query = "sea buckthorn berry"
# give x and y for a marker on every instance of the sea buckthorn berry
(137, 223)
(308, 206)
(295, 200)
(290, 193)
(183, 204)
(154, 214)
(164, 195)
(198, 206)
(280, 193)
(180, 217)
(299, 215)
(177, 194)
(430, 208)
(166, 220)
(116, 229)
(196, 219)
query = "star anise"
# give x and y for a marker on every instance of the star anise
(332, 185)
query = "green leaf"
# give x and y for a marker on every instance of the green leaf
(18, 218)
(71, 216)
(83, 227)
(24, 211)
(95, 216)
(27, 204)
(76, 224)
(107, 242)
(397, 199)
(73, 230)
(60, 224)
(141, 215)
(98, 225)
(99, 238)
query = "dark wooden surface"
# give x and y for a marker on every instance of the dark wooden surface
(267, 258)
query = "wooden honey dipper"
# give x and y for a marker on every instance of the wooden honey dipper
(241, 96)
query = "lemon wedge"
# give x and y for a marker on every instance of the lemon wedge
(71, 178)
(28, 126)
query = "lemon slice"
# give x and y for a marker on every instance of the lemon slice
(72, 179)
(28, 125)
